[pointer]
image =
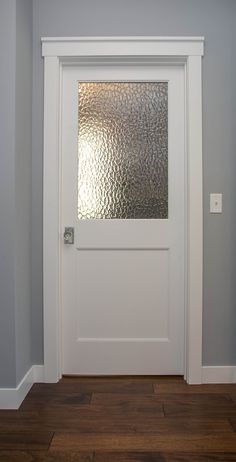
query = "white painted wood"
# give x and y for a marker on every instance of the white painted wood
(123, 297)
(218, 374)
(38, 374)
(150, 38)
(118, 46)
(195, 221)
(51, 220)
(11, 398)
(52, 306)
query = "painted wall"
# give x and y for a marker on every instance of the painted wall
(15, 190)
(214, 19)
(23, 155)
(7, 161)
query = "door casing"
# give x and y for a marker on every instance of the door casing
(172, 51)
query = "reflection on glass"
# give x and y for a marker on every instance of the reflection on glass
(123, 150)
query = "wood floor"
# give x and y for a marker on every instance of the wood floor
(139, 419)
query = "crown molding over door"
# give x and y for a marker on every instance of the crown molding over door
(66, 51)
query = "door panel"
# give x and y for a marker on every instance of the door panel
(123, 279)
(121, 299)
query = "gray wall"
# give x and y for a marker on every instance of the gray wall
(15, 190)
(23, 154)
(7, 146)
(215, 19)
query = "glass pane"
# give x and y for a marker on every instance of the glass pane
(123, 150)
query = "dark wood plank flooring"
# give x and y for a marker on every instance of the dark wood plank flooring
(121, 419)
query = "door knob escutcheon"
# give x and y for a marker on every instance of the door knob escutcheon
(69, 235)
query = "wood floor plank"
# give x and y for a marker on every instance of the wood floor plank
(109, 414)
(9, 417)
(117, 399)
(161, 457)
(174, 405)
(135, 424)
(130, 457)
(36, 400)
(71, 399)
(56, 421)
(183, 387)
(143, 443)
(128, 402)
(44, 456)
(25, 440)
(96, 385)
(192, 406)
(233, 423)
(15, 414)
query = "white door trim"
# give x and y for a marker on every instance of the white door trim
(59, 52)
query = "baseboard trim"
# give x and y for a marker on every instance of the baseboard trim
(218, 374)
(11, 398)
(38, 373)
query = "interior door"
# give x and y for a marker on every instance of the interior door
(122, 280)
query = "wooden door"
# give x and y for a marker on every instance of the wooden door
(122, 281)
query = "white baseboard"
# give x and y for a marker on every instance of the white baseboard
(218, 374)
(11, 398)
(38, 373)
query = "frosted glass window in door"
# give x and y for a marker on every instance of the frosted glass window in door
(122, 150)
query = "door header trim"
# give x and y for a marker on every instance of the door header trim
(117, 46)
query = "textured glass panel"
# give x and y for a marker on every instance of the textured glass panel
(123, 150)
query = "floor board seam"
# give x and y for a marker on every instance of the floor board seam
(50, 442)
(163, 410)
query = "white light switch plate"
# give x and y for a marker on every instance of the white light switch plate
(216, 203)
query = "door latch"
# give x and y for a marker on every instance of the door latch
(69, 236)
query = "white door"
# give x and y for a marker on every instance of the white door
(122, 281)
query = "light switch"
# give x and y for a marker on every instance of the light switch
(216, 203)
